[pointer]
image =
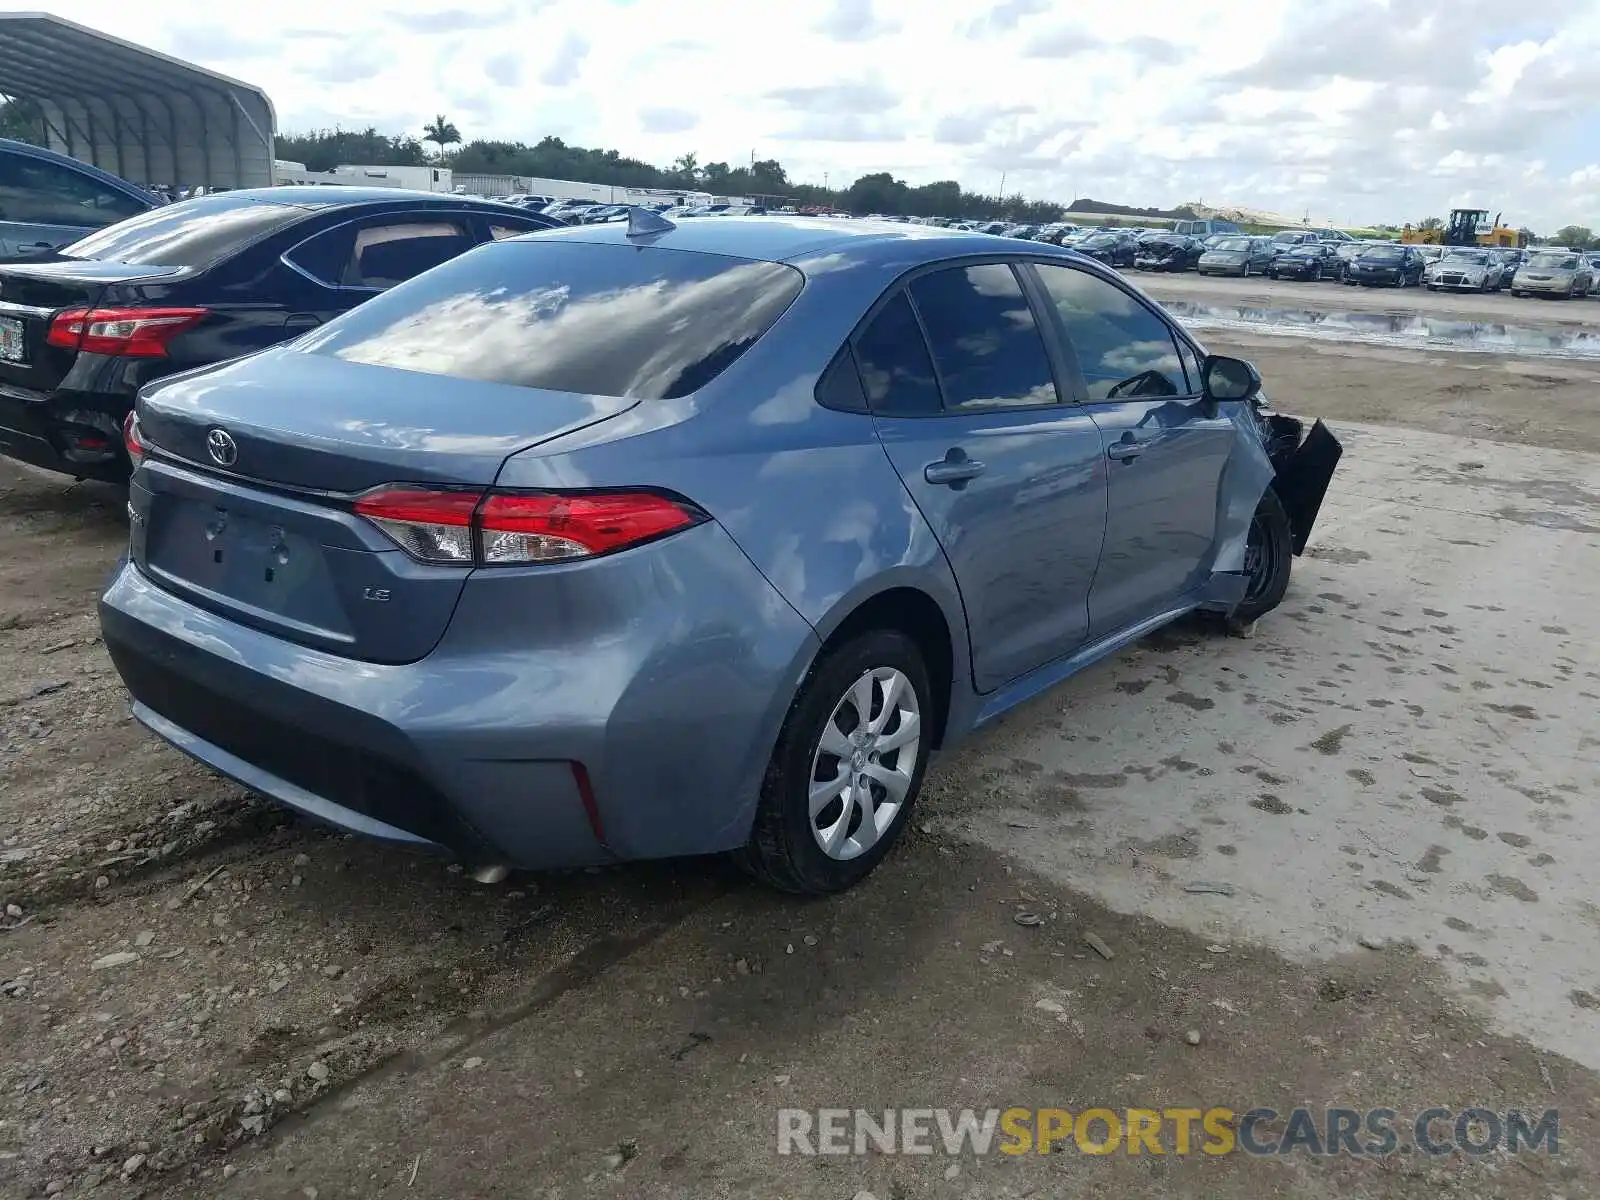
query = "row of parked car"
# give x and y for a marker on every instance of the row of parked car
(1541, 271)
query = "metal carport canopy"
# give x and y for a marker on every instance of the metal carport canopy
(147, 117)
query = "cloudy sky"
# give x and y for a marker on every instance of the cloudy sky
(1351, 110)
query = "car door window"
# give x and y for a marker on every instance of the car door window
(1124, 350)
(385, 255)
(380, 253)
(988, 349)
(36, 192)
(896, 371)
(499, 231)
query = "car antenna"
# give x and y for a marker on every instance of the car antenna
(642, 221)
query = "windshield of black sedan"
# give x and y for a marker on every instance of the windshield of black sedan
(1099, 240)
(1232, 244)
(1306, 252)
(1383, 253)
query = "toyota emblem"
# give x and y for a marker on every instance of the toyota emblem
(223, 449)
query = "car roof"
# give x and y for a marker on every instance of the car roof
(314, 196)
(778, 239)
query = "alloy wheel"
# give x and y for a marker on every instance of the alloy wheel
(862, 768)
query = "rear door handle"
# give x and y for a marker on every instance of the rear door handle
(954, 470)
(1126, 450)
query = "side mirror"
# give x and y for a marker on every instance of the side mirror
(1229, 378)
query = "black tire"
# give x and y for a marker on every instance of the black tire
(1515, 295)
(782, 851)
(1267, 562)
(1245, 272)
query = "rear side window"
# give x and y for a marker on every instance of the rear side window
(192, 233)
(607, 320)
(1125, 351)
(36, 192)
(984, 340)
(895, 368)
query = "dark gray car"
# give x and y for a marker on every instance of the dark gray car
(1240, 254)
(627, 541)
(48, 200)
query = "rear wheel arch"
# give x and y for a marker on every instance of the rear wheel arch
(919, 616)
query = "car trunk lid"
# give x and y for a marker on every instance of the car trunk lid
(32, 293)
(244, 504)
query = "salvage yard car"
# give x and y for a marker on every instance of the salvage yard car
(1115, 248)
(48, 199)
(1312, 261)
(626, 541)
(197, 282)
(1240, 255)
(1465, 268)
(1554, 273)
(1167, 252)
(1385, 266)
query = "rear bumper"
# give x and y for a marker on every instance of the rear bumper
(649, 741)
(37, 430)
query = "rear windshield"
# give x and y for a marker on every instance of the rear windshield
(192, 233)
(605, 320)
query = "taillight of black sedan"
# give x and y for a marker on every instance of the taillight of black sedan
(186, 285)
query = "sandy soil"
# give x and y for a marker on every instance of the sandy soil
(202, 996)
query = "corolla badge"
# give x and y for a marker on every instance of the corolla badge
(223, 449)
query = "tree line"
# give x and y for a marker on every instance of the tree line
(553, 158)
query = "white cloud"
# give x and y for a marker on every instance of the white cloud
(1353, 110)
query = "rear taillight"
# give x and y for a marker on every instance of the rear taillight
(130, 439)
(128, 332)
(519, 528)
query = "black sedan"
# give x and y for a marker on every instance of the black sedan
(1168, 252)
(1312, 261)
(1115, 249)
(81, 330)
(1386, 266)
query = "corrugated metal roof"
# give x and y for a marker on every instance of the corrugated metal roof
(145, 116)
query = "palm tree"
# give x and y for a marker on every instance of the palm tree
(441, 133)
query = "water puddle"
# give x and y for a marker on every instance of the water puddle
(1411, 330)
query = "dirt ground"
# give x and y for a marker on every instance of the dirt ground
(202, 996)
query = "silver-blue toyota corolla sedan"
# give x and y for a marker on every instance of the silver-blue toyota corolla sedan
(635, 540)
